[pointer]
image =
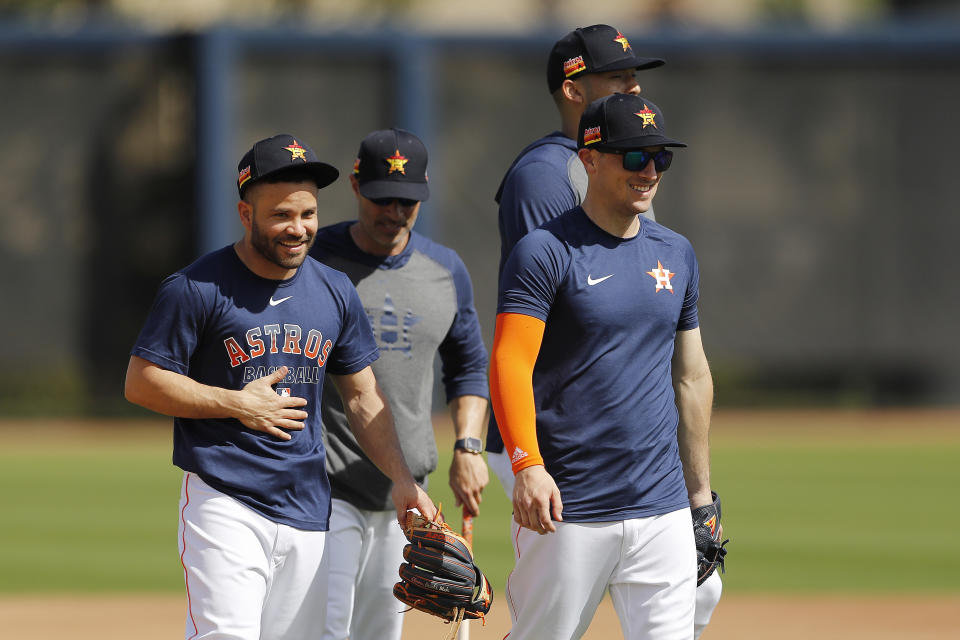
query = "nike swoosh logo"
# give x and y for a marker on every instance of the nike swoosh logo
(274, 303)
(591, 281)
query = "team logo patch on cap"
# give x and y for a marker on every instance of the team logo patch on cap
(356, 166)
(648, 116)
(622, 40)
(296, 151)
(591, 135)
(662, 276)
(244, 175)
(396, 162)
(574, 65)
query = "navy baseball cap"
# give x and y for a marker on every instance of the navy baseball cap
(392, 163)
(279, 153)
(623, 122)
(594, 49)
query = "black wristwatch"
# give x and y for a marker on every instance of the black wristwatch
(473, 445)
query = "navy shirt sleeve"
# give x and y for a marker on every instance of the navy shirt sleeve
(533, 193)
(532, 275)
(356, 347)
(173, 326)
(689, 317)
(463, 355)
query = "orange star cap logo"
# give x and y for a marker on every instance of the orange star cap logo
(662, 276)
(396, 162)
(622, 40)
(296, 151)
(648, 116)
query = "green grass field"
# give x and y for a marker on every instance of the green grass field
(96, 511)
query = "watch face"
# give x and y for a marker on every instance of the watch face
(473, 445)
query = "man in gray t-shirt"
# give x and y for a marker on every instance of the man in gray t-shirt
(419, 300)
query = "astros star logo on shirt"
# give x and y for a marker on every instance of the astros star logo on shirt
(396, 162)
(662, 276)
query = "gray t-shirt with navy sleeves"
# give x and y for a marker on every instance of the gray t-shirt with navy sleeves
(419, 304)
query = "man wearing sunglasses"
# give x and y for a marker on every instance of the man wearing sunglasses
(419, 300)
(602, 393)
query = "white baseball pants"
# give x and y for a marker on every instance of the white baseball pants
(247, 577)
(648, 564)
(360, 566)
(708, 595)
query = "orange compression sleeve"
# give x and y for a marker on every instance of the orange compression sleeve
(516, 344)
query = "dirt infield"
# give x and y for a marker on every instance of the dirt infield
(159, 617)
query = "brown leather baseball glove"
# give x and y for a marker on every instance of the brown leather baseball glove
(439, 575)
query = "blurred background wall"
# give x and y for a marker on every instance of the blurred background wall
(817, 189)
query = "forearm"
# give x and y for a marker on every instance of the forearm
(174, 394)
(515, 347)
(372, 424)
(694, 397)
(469, 414)
(468, 470)
(512, 402)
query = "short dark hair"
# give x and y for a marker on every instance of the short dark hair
(293, 174)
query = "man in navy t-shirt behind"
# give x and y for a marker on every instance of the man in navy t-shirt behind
(547, 178)
(236, 348)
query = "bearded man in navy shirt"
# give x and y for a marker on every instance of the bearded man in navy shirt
(236, 348)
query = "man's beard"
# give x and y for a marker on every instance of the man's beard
(273, 251)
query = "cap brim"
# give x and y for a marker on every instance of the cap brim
(323, 174)
(628, 63)
(640, 142)
(395, 189)
(326, 174)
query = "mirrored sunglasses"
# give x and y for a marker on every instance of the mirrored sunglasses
(637, 160)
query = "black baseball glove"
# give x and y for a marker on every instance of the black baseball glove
(439, 575)
(706, 533)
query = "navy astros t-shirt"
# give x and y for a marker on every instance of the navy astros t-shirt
(222, 325)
